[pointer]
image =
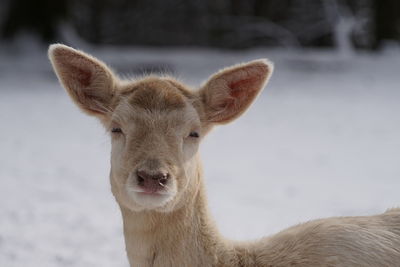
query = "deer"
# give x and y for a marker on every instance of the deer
(156, 124)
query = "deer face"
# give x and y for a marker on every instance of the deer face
(155, 131)
(156, 123)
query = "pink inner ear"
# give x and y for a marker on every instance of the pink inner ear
(242, 88)
(83, 76)
(241, 93)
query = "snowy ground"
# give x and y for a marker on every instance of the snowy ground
(322, 140)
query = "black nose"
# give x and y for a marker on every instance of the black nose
(144, 178)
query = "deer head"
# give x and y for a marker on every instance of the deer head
(156, 123)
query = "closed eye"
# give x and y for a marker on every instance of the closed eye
(116, 130)
(194, 134)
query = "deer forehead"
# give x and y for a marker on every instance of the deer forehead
(157, 103)
(156, 94)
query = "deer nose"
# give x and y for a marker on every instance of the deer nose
(159, 178)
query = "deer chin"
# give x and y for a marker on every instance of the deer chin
(149, 200)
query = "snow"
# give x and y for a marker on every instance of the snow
(322, 140)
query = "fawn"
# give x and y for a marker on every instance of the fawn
(156, 125)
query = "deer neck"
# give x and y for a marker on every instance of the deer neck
(184, 237)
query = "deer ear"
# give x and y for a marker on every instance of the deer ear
(89, 82)
(228, 93)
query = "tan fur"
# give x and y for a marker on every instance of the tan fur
(156, 115)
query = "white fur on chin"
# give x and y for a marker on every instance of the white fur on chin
(149, 201)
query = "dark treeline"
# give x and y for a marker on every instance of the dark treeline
(221, 23)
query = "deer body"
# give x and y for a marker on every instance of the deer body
(156, 125)
(188, 237)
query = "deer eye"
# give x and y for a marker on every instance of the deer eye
(116, 130)
(194, 134)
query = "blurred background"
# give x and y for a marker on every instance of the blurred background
(350, 24)
(322, 140)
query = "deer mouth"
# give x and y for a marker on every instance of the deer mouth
(152, 192)
(149, 199)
